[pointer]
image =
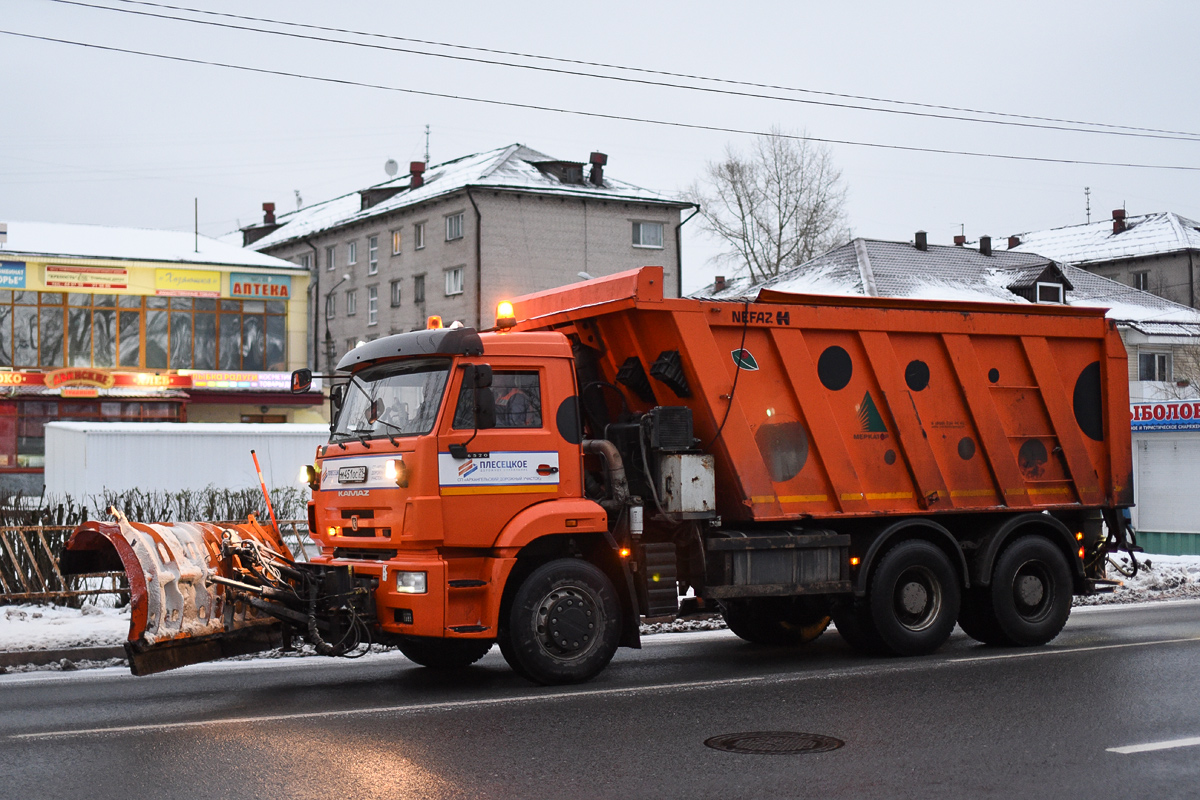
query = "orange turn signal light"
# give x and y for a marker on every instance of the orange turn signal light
(1081, 552)
(854, 561)
(624, 551)
(1079, 536)
(333, 531)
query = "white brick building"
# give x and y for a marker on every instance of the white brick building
(454, 239)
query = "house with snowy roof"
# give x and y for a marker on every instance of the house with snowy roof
(1157, 253)
(455, 238)
(1154, 329)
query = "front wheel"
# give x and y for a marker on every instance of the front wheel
(443, 653)
(914, 598)
(775, 621)
(564, 623)
(1031, 591)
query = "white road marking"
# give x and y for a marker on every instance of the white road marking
(1167, 745)
(1058, 651)
(549, 696)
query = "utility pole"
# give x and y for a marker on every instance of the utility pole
(1087, 196)
(196, 221)
(427, 145)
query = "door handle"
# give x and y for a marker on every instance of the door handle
(546, 469)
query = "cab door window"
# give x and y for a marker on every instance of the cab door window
(518, 401)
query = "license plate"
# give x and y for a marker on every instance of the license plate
(352, 475)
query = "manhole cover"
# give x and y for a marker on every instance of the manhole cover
(773, 743)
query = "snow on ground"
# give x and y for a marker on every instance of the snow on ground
(32, 627)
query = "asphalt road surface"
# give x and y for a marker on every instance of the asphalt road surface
(969, 721)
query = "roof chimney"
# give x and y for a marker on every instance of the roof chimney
(719, 283)
(1118, 220)
(417, 170)
(268, 213)
(985, 245)
(1014, 241)
(960, 240)
(599, 161)
(921, 241)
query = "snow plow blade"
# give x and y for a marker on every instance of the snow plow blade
(179, 613)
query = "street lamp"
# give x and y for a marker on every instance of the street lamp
(325, 314)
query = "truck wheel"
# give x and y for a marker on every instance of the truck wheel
(855, 626)
(1031, 591)
(443, 653)
(564, 623)
(914, 598)
(977, 618)
(775, 621)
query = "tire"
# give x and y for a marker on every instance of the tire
(564, 623)
(855, 626)
(914, 598)
(1031, 591)
(775, 621)
(443, 653)
(978, 619)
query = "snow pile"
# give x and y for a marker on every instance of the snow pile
(31, 627)
(1158, 578)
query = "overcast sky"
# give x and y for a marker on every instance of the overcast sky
(100, 137)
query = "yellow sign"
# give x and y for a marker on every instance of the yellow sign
(187, 282)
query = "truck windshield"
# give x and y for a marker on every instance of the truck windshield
(405, 397)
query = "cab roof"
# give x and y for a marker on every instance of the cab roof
(455, 342)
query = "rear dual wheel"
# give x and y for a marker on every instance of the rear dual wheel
(1029, 599)
(911, 605)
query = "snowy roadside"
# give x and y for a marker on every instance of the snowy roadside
(39, 628)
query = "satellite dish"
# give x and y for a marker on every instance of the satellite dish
(391, 167)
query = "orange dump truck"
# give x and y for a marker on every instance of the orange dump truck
(895, 465)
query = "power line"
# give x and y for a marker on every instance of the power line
(600, 115)
(1004, 119)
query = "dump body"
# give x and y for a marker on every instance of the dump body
(822, 407)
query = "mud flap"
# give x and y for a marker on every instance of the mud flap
(178, 615)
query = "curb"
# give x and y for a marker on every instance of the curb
(17, 658)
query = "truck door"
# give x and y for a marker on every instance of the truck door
(522, 461)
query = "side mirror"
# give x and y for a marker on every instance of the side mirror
(337, 395)
(301, 381)
(483, 376)
(376, 411)
(485, 406)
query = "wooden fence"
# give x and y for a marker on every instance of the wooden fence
(29, 558)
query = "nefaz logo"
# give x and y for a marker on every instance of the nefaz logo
(870, 420)
(763, 317)
(467, 467)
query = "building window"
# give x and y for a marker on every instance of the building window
(373, 255)
(1050, 293)
(351, 344)
(395, 243)
(1154, 366)
(1141, 280)
(648, 234)
(52, 329)
(372, 305)
(419, 289)
(330, 306)
(454, 228)
(395, 289)
(330, 255)
(454, 281)
(306, 261)
(351, 253)
(419, 236)
(351, 302)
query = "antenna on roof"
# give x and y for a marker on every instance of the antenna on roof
(196, 221)
(426, 145)
(1087, 196)
(299, 200)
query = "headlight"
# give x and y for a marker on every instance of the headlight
(410, 582)
(396, 470)
(312, 476)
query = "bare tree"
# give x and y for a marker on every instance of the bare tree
(775, 207)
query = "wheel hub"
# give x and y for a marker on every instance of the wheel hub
(914, 597)
(918, 598)
(1031, 590)
(567, 622)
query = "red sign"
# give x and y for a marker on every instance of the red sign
(79, 376)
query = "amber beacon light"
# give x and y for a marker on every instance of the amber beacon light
(505, 318)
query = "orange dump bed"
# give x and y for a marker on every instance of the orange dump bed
(868, 406)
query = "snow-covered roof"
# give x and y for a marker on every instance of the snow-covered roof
(942, 272)
(1144, 235)
(511, 167)
(62, 240)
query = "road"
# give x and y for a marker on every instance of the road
(969, 721)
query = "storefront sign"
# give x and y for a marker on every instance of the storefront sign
(87, 277)
(79, 376)
(256, 381)
(260, 286)
(1169, 415)
(187, 283)
(12, 274)
(21, 378)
